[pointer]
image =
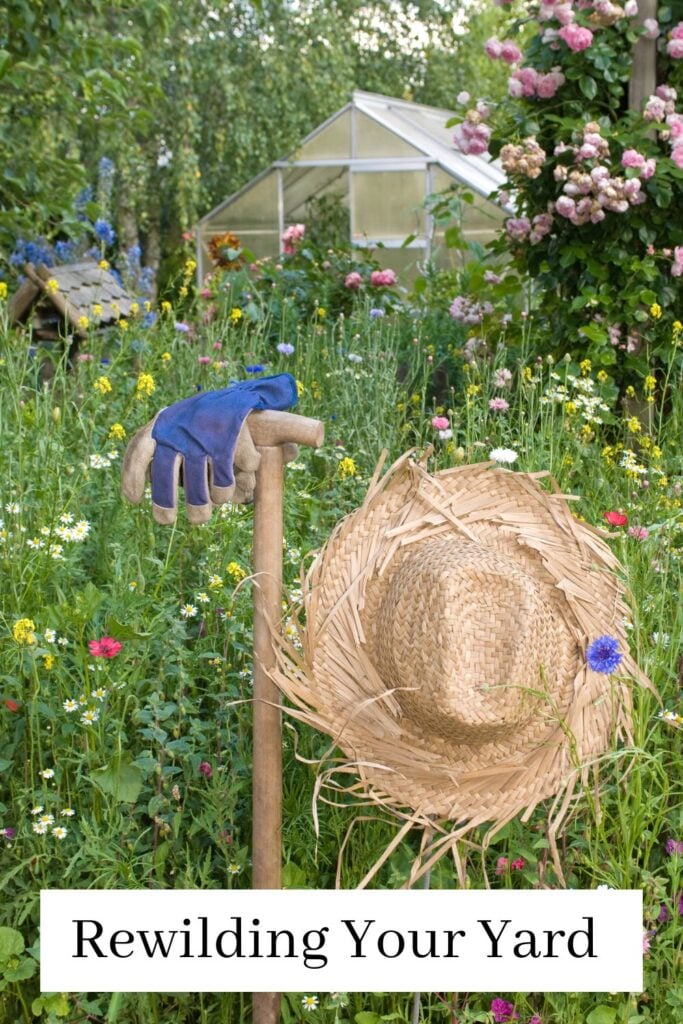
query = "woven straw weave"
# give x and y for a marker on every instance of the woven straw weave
(447, 621)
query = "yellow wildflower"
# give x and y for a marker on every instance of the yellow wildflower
(117, 432)
(585, 366)
(235, 572)
(663, 481)
(97, 310)
(183, 292)
(23, 631)
(190, 267)
(216, 581)
(347, 468)
(103, 265)
(52, 286)
(102, 385)
(135, 308)
(49, 662)
(473, 389)
(166, 306)
(655, 311)
(166, 357)
(630, 391)
(145, 385)
(416, 399)
(83, 323)
(236, 314)
(122, 324)
(526, 373)
(570, 408)
(602, 377)
(633, 425)
(677, 332)
(148, 306)
(3, 289)
(299, 389)
(316, 391)
(607, 453)
(321, 312)
(656, 452)
(650, 383)
(586, 433)
(116, 309)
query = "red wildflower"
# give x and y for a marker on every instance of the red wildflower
(206, 770)
(616, 518)
(517, 865)
(106, 647)
(11, 705)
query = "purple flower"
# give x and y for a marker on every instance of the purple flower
(603, 654)
(376, 313)
(285, 348)
(8, 833)
(503, 1011)
(674, 846)
(205, 769)
(182, 327)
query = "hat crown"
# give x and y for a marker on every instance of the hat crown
(465, 635)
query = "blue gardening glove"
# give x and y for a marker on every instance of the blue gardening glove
(207, 435)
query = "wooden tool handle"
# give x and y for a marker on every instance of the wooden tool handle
(271, 429)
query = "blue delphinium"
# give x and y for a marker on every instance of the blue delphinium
(603, 655)
(104, 231)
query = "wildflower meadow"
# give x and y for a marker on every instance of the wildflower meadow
(126, 647)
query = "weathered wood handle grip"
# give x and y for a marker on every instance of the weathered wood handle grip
(269, 429)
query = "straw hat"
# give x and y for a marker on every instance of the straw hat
(447, 622)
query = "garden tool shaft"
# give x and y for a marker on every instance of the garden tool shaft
(276, 435)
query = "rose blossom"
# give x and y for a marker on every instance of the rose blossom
(383, 278)
(651, 28)
(576, 38)
(510, 52)
(353, 280)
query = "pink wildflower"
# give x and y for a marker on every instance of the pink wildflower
(291, 236)
(501, 865)
(498, 405)
(517, 864)
(639, 532)
(440, 422)
(502, 378)
(203, 360)
(106, 647)
(205, 769)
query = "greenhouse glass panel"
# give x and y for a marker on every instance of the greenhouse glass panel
(254, 209)
(330, 143)
(302, 184)
(372, 140)
(388, 204)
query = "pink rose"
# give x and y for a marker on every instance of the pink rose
(677, 155)
(675, 48)
(677, 31)
(353, 280)
(632, 158)
(547, 85)
(576, 38)
(510, 52)
(383, 278)
(493, 48)
(677, 268)
(651, 28)
(291, 236)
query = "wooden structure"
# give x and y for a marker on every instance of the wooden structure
(56, 299)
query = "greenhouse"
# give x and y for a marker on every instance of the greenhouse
(380, 157)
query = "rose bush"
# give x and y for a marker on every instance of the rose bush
(595, 189)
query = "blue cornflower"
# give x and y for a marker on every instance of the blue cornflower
(285, 348)
(104, 231)
(182, 327)
(603, 655)
(255, 368)
(376, 313)
(149, 319)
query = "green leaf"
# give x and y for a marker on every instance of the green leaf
(588, 86)
(119, 631)
(11, 944)
(367, 1017)
(24, 969)
(293, 877)
(120, 779)
(602, 1015)
(453, 237)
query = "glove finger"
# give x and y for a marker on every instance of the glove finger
(246, 455)
(136, 460)
(196, 484)
(165, 471)
(219, 493)
(244, 488)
